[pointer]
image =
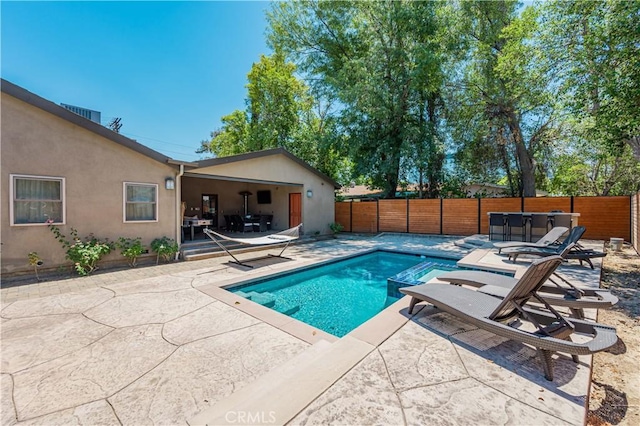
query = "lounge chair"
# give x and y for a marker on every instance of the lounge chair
(279, 238)
(553, 292)
(546, 240)
(499, 315)
(577, 252)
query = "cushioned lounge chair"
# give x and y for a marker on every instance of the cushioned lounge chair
(498, 316)
(577, 252)
(546, 240)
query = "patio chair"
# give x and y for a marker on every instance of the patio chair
(577, 252)
(547, 240)
(497, 220)
(538, 221)
(556, 291)
(500, 316)
(241, 225)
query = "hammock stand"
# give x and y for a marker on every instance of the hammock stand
(278, 238)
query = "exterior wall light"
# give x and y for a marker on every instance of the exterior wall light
(169, 183)
(309, 193)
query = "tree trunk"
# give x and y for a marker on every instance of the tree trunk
(391, 176)
(634, 142)
(527, 167)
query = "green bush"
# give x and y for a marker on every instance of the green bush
(165, 247)
(130, 248)
(84, 254)
(335, 227)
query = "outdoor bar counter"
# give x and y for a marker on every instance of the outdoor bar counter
(528, 221)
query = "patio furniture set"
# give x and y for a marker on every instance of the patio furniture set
(497, 303)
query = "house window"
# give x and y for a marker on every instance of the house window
(140, 202)
(36, 200)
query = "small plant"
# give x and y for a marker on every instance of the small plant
(35, 261)
(84, 254)
(336, 228)
(130, 248)
(165, 247)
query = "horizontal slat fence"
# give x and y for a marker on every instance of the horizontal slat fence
(392, 215)
(604, 217)
(343, 215)
(424, 216)
(364, 217)
(460, 216)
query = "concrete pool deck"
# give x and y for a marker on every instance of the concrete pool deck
(165, 345)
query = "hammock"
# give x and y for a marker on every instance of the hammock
(278, 238)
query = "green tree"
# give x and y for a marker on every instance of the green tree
(502, 107)
(281, 112)
(589, 168)
(231, 139)
(381, 62)
(276, 101)
(594, 49)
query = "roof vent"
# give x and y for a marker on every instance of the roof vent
(89, 114)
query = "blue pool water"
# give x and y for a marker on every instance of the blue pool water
(336, 297)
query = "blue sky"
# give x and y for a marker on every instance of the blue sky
(170, 70)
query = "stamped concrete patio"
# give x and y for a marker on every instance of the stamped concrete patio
(166, 345)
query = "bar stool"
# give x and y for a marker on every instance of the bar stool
(516, 220)
(562, 220)
(496, 219)
(538, 221)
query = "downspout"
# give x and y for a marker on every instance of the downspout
(178, 209)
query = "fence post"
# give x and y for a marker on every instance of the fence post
(521, 204)
(407, 215)
(571, 204)
(441, 209)
(351, 216)
(479, 215)
(377, 215)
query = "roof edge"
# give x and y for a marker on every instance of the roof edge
(266, 153)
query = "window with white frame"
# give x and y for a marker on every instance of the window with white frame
(36, 200)
(140, 202)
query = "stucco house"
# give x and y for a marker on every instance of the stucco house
(60, 166)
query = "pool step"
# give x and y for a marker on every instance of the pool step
(264, 299)
(285, 391)
(471, 242)
(290, 310)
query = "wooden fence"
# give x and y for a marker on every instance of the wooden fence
(635, 221)
(604, 217)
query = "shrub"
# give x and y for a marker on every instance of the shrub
(165, 247)
(336, 228)
(84, 254)
(130, 248)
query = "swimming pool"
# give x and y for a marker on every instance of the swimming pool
(335, 297)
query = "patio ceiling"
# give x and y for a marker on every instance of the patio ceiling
(239, 179)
